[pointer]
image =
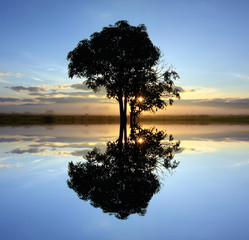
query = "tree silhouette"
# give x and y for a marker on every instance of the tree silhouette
(123, 60)
(122, 180)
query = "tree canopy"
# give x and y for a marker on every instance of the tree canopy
(122, 59)
(123, 179)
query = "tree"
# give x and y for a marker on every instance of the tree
(149, 96)
(123, 179)
(122, 59)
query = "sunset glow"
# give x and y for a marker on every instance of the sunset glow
(140, 140)
(210, 55)
(140, 99)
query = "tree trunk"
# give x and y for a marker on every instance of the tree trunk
(132, 115)
(121, 112)
(123, 118)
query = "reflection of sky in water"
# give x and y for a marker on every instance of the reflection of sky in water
(205, 198)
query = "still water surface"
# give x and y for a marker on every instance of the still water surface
(205, 197)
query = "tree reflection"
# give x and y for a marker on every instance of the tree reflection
(123, 179)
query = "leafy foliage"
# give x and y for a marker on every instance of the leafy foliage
(123, 60)
(122, 180)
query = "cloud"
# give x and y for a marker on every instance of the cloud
(81, 86)
(241, 164)
(10, 74)
(37, 79)
(181, 90)
(9, 99)
(27, 89)
(51, 69)
(9, 166)
(29, 150)
(241, 76)
(81, 153)
(217, 102)
(54, 94)
(17, 100)
(226, 102)
(5, 74)
(69, 99)
(182, 149)
(9, 139)
(3, 81)
(53, 87)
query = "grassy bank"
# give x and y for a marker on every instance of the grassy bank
(27, 119)
(198, 119)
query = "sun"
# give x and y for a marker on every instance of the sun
(140, 140)
(140, 99)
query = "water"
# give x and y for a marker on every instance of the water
(204, 197)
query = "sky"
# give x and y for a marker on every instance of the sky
(206, 42)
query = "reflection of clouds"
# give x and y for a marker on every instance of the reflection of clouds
(225, 139)
(241, 164)
(51, 146)
(10, 166)
(198, 147)
(37, 160)
(10, 74)
(58, 141)
(42, 152)
(81, 153)
(3, 159)
(182, 149)
(60, 145)
(78, 146)
(16, 139)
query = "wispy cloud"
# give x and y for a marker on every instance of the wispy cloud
(4, 81)
(241, 164)
(61, 94)
(5, 74)
(69, 99)
(19, 74)
(27, 89)
(10, 74)
(217, 102)
(28, 150)
(16, 100)
(53, 87)
(50, 100)
(9, 166)
(37, 79)
(81, 86)
(45, 94)
(241, 76)
(9, 99)
(181, 90)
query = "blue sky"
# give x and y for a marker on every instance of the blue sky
(205, 41)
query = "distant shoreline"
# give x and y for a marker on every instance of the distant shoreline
(45, 119)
